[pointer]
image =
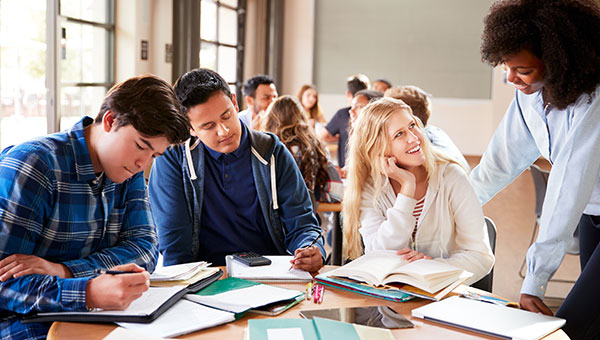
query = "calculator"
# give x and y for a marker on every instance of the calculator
(251, 259)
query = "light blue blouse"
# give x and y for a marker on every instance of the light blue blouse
(570, 140)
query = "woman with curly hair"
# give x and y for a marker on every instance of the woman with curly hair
(309, 98)
(551, 51)
(404, 195)
(286, 118)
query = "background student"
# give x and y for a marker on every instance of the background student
(309, 98)
(404, 195)
(551, 54)
(75, 201)
(360, 100)
(286, 119)
(380, 85)
(259, 92)
(338, 127)
(229, 188)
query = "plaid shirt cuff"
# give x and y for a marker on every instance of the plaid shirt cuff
(73, 291)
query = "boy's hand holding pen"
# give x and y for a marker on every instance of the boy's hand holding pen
(309, 258)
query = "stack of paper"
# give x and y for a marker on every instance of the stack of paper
(184, 317)
(181, 274)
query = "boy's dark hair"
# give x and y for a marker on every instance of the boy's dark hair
(149, 104)
(369, 94)
(356, 84)
(564, 34)
(197, 86)
(250, 86)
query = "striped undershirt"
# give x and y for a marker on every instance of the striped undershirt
(417, 213)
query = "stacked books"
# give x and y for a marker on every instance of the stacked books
(387, 275)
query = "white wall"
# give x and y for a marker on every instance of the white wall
(298, 43)
(137, 20)
(469, 122)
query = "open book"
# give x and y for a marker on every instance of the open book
(385, 268)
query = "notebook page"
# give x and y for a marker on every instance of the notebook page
(277, 270)
(182, 318)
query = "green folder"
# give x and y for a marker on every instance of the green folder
(315, 329)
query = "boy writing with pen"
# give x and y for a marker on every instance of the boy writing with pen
(229, 189)
(75, 201)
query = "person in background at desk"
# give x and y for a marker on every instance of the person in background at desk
(287, 119)
(404, 195)
(338, 128)
(76, 201)
(259, 92)
(420, 103)
(551, 52)
(229, 188)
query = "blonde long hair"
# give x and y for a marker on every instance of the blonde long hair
(368, 143)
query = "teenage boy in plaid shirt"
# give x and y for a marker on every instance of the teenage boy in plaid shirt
(76, 201)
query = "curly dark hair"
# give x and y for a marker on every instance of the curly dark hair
(564, 34)
(286, 118)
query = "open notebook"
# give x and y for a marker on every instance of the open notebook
(278, 270)
(491, 319)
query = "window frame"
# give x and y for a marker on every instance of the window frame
(240, 10)
(54, 21)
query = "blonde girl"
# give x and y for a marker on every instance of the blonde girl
(403, 194)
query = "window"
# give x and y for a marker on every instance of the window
(22, 70)
(221, 39)
(83, 52)
(86, 57)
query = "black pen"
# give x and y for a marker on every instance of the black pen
(315, 240)
(112, 272)
(310, 245)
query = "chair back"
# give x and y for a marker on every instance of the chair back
(540, 181)
(487, 281)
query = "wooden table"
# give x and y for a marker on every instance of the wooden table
(333, 298)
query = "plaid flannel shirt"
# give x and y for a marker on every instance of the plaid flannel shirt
(52, 206)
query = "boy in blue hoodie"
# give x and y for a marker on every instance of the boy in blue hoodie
(229, 188)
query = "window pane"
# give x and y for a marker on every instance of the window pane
(227, 64)
(208, 20)
(84, 58)
(76, 102)
(208, 55)
(232, 3)
(228, 26)
(22, 70)
(90, 10)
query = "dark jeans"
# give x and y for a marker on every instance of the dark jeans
(581, 307)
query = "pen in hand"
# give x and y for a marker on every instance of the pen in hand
(113, 272)
(310, 245)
